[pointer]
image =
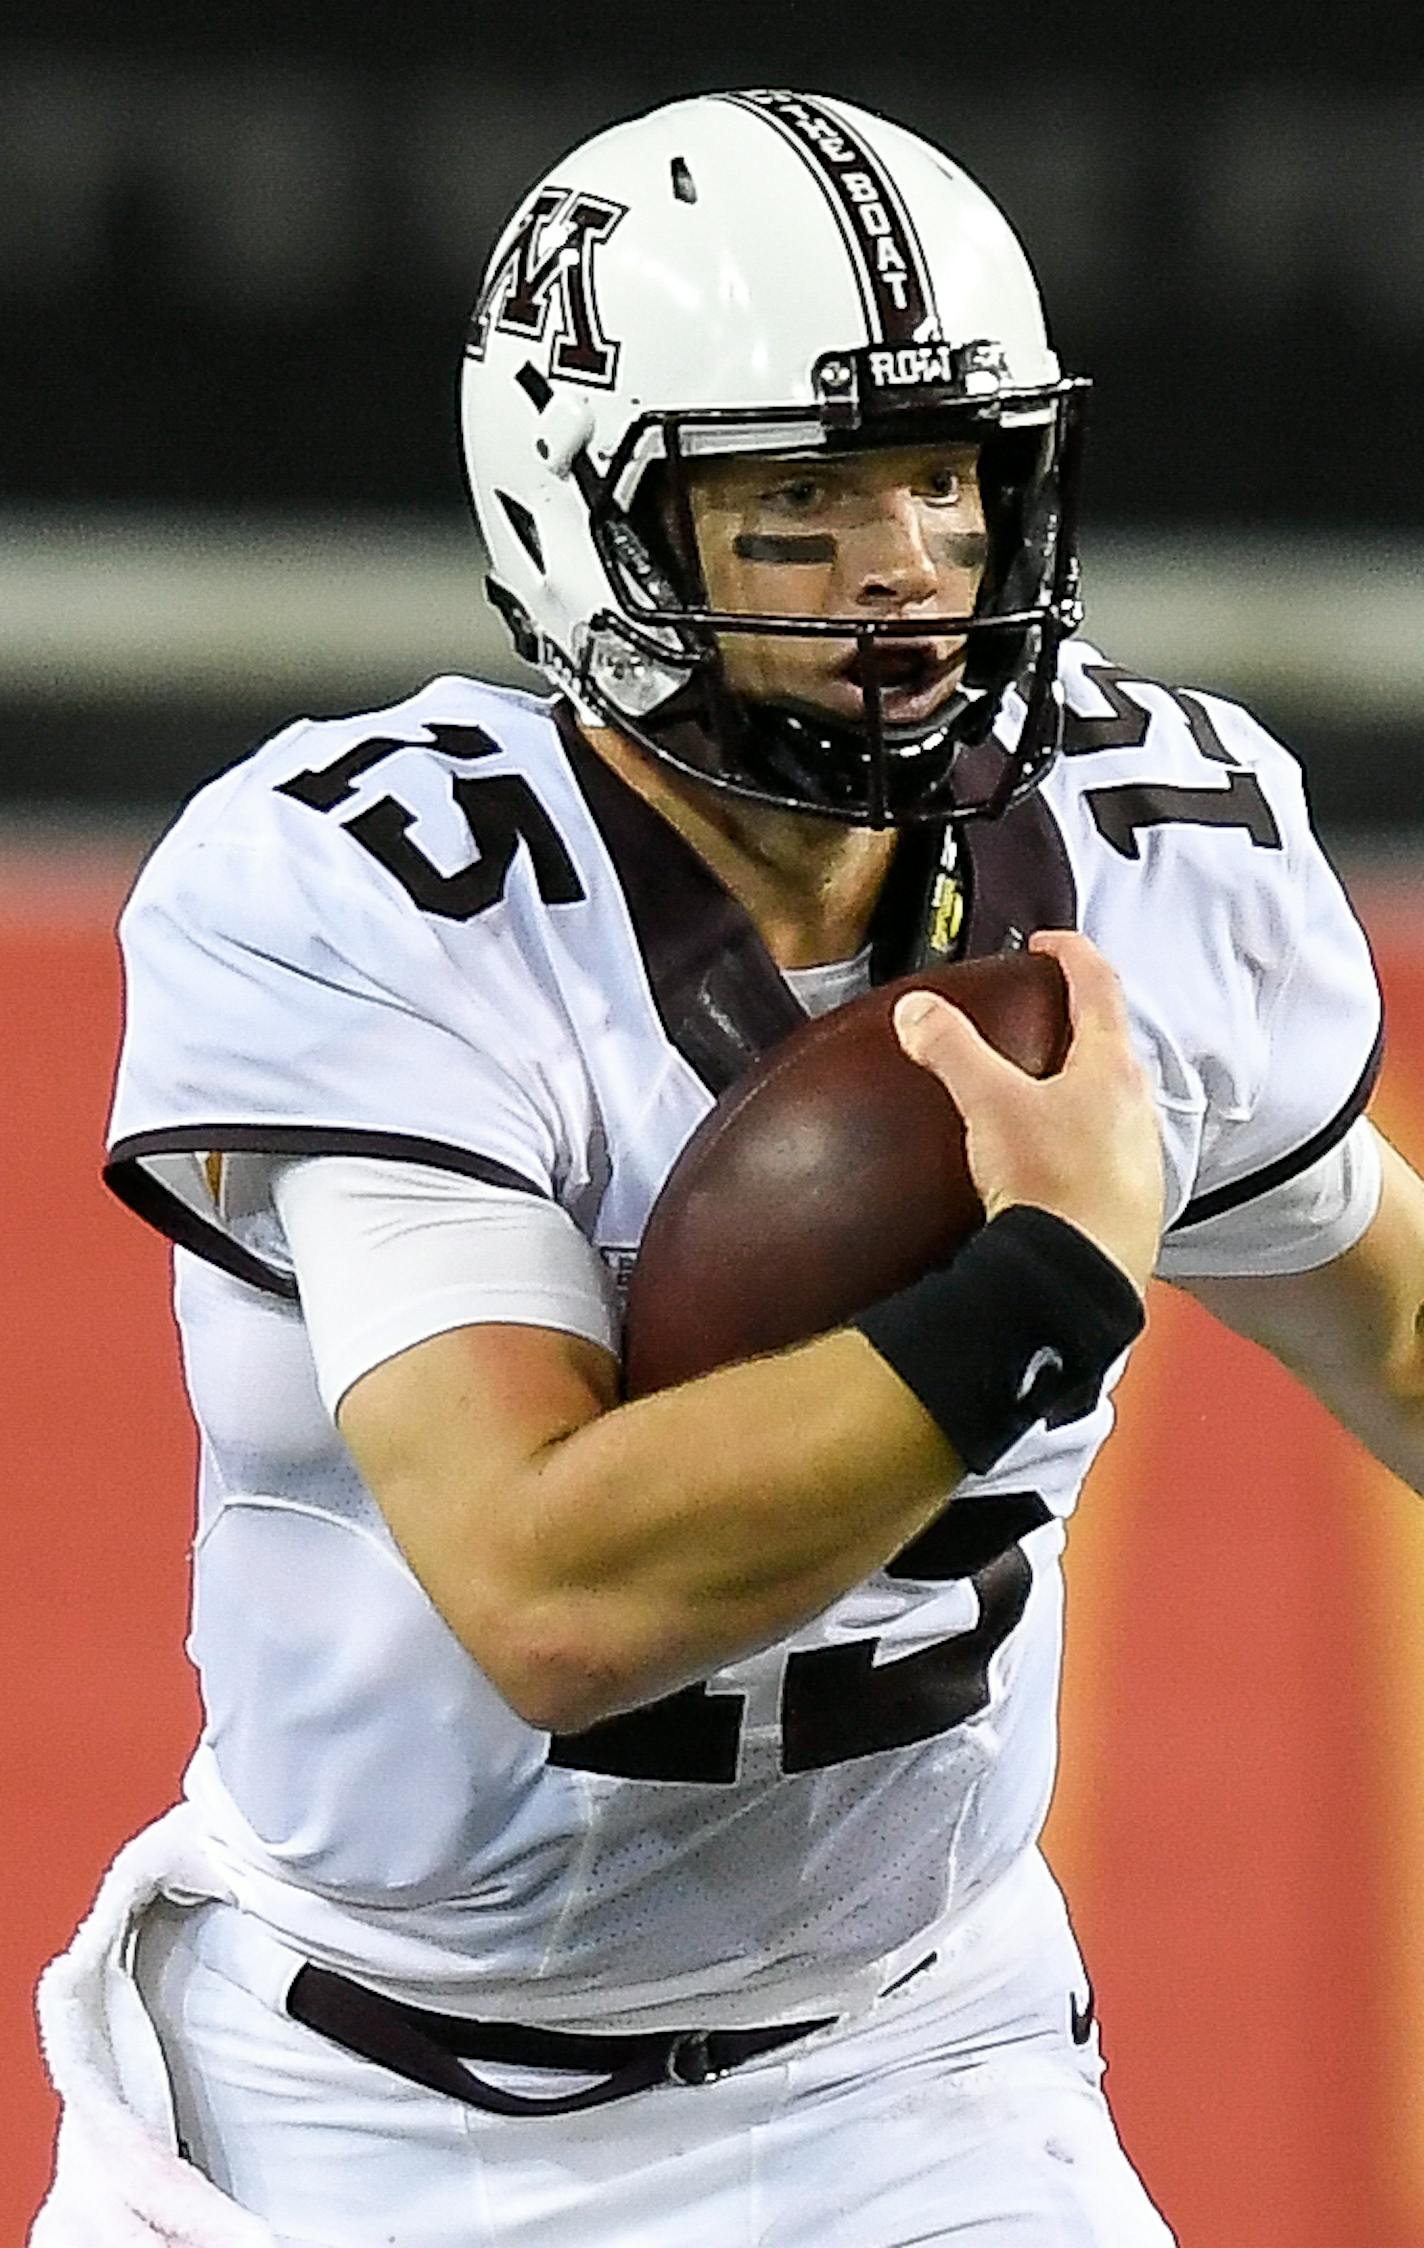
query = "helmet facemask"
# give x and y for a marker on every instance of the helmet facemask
(655, 663)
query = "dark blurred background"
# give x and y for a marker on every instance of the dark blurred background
(238, 247)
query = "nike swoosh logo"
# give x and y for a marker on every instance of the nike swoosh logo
(1045, 1361)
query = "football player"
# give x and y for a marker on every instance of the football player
(617, 1824)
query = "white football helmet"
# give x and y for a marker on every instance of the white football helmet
(780, 273)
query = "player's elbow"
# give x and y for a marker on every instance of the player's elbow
(558, 1678)
(552, 1648)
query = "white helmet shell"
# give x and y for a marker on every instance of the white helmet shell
(707, 256)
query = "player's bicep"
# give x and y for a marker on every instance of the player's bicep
(457, 1330)
(445, 1435)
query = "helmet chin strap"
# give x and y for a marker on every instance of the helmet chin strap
(859, 763)
(849, 767)
(795, 757)
(832, 765)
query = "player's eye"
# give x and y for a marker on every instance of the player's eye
(941, 484)
(798, 495)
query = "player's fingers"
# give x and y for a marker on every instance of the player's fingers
(941, 1038)
(1096, 1006)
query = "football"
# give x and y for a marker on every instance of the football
(830, 1175)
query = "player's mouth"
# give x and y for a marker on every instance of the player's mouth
(913, 676)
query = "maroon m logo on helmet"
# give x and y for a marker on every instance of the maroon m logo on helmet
(546, 273)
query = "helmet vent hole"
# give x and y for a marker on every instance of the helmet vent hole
(524, 527)
(684, 186)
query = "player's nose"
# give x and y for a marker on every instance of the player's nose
(891, 563)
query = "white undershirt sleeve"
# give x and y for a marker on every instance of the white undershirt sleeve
(387, 1253)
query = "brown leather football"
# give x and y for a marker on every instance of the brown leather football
(829, 1176)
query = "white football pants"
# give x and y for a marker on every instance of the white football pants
(922, 2122)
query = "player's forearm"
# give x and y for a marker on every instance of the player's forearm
(1352, 1330)
(593, 1556)
(1381, 1401)
(685, 1530)
(659, 1541)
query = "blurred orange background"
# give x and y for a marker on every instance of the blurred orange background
(1240, 1824)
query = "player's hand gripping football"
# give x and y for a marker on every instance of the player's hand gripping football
(1083, 1143)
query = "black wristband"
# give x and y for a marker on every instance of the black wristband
(1024, 1325)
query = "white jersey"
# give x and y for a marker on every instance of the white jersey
(447, 933)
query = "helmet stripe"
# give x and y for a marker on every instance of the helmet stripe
(887, 257)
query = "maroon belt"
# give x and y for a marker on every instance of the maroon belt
(432, 2049)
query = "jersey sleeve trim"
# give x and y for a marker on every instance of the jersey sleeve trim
(180, 1223)
(1231, 1196)
(321, 1139)
(146, 1195)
